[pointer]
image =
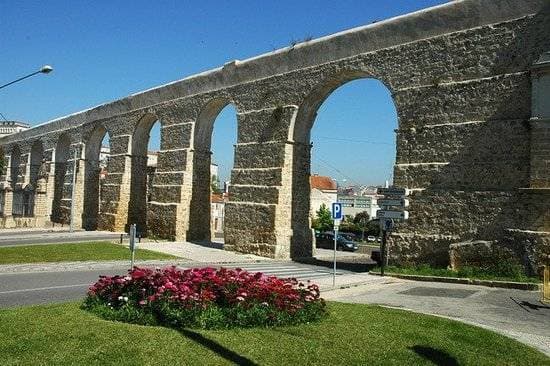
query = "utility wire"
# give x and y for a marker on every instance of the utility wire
(3, 117)
(323, 161)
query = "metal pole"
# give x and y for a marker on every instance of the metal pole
(383, 252)
(73, 190)
(23, 78)
(132, 245)
(334, 262)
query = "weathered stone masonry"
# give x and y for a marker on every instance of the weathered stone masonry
(470, 82)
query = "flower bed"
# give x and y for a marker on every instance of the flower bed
(204, 298)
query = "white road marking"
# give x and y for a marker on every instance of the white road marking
(43, 288)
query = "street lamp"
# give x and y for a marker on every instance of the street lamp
(46, 69)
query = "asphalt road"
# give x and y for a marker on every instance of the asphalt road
(30, 288)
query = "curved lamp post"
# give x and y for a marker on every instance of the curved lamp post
(46, 69)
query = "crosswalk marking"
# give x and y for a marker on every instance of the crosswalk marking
(283, 270)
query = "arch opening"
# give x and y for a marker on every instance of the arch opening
(344, 148)
(145, 148)
(62, 150)
(97, 152)
(213, 159)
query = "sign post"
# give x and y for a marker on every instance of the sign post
(132, 245)
(393, 210)
(337, 217)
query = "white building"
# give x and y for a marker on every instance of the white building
(352, 205)
(10, 127)
(323, 191)
(217, 214)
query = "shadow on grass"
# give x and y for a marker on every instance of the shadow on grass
(217, 348)
(436, 356)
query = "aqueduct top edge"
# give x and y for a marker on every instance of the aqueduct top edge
(450, 17)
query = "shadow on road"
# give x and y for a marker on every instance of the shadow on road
(352, 264)
(526, 305)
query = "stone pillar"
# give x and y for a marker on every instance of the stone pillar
(115, 190)
(540, 124)
(199, 222)
(171, 195)
(531, 240)
(7, 191)
(79, 187)
(259, 216)
(49, 155)
(40, 198)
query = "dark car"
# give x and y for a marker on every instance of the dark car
(326, 241)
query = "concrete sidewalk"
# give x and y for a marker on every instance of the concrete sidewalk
(200, 253)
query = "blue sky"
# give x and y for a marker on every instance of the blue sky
(105, 50)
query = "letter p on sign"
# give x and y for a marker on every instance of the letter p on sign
(337, 211)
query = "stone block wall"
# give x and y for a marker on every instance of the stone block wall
(467, 144)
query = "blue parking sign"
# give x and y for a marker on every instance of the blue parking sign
(337, 211)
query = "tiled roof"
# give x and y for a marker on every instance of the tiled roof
(322, 183)
(216, 198)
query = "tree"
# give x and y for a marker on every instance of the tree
(361, 220)
(215, 185)
(323, 221)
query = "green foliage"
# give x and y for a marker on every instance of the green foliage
(506, 271)
(215, 185)
(323, 221)
(362, 219)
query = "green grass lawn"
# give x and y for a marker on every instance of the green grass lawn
(89, 251)
(354, 334)
(474, 273)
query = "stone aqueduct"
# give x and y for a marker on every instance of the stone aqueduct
(470, 83)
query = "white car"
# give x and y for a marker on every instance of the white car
(371, 238)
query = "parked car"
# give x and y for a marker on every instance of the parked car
(371, 238)
(326, 241)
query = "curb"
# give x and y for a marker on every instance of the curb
(466, 281)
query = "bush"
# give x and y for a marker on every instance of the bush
(204, 298)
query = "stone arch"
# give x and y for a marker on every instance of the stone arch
(92, 172)
(300, 135)
(62, 152)
(199, 224)
(139, 174)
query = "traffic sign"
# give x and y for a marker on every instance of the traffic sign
(403, 202)
(337, 211)
(387, 214)
(394, 191)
